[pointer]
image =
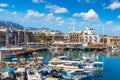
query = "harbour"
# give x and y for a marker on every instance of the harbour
(110, 69)
(59, 40)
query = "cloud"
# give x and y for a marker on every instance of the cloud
(49, 17)
(116, 30)
(4, 5)
(37, 1)
(118, 16)
(32, 13)
(56, 9)
(114, 5)
(2, 10)
(14, 13)
(91, 15)
(59, 20)
(109, 22)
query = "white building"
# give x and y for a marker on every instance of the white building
(89, 35)
(89, 31)
(86, 36)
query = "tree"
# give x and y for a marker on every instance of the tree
(43, 37)
(104, 40)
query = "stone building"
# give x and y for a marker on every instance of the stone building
(113, 41)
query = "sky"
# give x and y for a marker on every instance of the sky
(63, 15)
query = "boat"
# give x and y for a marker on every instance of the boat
(113, 48)
(32, 74)
(98, 66)
(20, 73)
(45, 70)
(56, 74)
(75, 75)
(51, 79)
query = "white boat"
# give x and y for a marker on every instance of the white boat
(32, 74)
(113, 48)
(20, 73)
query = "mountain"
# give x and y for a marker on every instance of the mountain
(9, 24)
(12, 25)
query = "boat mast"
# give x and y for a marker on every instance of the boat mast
(25, 35)
(0, 57)
(103, 35)
(15, 41)
(18, 37)
(7, 38)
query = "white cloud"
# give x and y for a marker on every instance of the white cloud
(2, 10)
(114, 5)
(49, 17)
(109, 22)
(14, 13)
(4, 5)
(91, 15)
(56, 9)
(116, 30)
(118, 17)
(37, 1)
(32, 13)
(58, 19)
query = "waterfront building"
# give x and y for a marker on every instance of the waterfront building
(55, 36)
(14, 36)
(2, 36)
(51, 35)
(86, 36)
(89, 35)
(113, 42)
(76, 37)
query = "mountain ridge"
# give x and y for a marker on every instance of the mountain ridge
(12, 25)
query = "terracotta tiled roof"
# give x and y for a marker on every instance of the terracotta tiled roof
(114, 38)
